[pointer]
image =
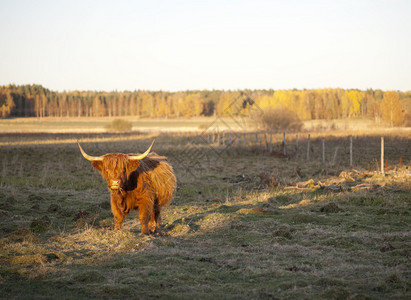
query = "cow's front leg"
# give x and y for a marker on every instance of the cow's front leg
(117, 213)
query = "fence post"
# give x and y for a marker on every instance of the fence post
(265, 142)
(351, 151)
(323, 142)
(285, 148)
(382, 156)
(244, 139)
(271, 142)
(308, 147)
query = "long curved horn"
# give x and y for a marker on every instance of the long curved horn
(89, 157)
(141, 156)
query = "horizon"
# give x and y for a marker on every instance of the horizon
(202, 90)
(174, 46)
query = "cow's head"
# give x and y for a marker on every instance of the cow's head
(116, 167)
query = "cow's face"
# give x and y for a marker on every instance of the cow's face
(116, 167)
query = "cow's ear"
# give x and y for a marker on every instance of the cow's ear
(98, 165)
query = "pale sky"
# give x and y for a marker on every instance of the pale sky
(213, 44)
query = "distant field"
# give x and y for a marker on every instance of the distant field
(97, 125)
(57, 125)
(245, 223)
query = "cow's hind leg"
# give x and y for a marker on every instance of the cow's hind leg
(145, 212)
(155, 221)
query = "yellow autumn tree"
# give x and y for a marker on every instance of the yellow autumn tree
(6, 105)
(224, 104)
(197, 103)
(147, 104)
(160, 107)
(285, 98)
(392, 109)
(374, 110)
(99, 109)
(302, 108)
(265, 101)
(351, 103)
(356, 98)
(191, 105)
(176, 100)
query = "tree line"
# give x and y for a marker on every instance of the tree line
(313, 104)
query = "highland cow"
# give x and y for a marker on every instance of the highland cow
(137, 181)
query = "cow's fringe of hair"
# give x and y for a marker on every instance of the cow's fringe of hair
(113, 163)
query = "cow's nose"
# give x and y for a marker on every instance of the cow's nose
(115, 184)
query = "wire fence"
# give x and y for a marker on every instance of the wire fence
(349, 151)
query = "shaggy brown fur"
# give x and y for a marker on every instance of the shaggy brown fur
(147, 185)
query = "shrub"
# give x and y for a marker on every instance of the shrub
(119, 125)
(279, 119)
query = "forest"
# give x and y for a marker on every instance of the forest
(392, 107)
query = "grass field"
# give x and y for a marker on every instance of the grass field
(244, 223)
(96, 125)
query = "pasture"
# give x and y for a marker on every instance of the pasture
(97, 124)
(243, 224)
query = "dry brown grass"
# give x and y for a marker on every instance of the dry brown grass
(231, 232)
